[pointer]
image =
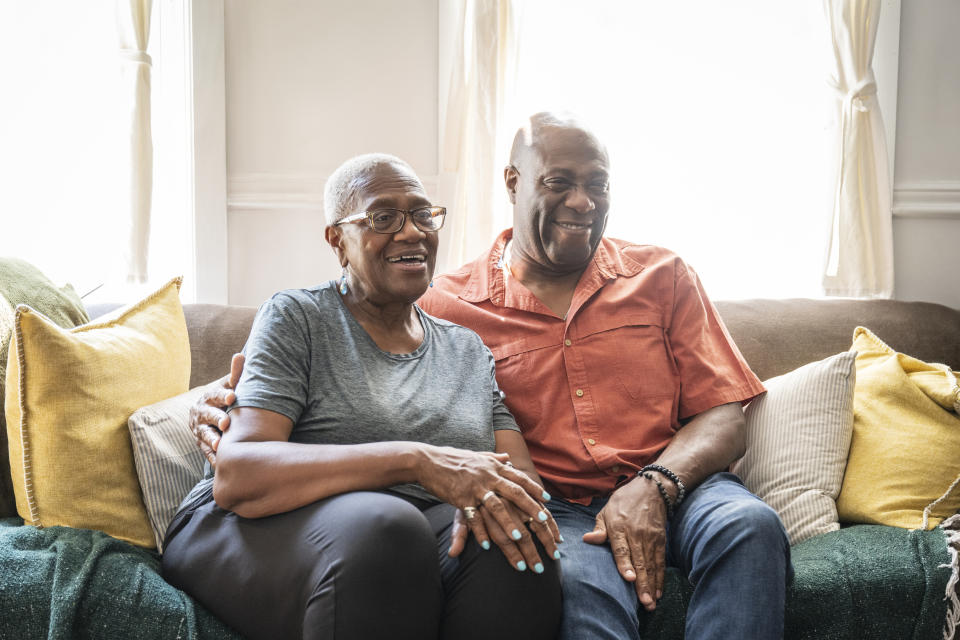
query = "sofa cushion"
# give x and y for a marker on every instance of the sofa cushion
(906, 439)
(70, 451)
(22, 283)
(798, 436)
(169, 462)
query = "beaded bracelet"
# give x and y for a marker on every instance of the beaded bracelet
(663, 492)
(674, 478)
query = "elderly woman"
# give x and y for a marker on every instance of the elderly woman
(364, 435)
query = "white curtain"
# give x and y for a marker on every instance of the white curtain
(860, 250)
(133, 26)
(473, 147)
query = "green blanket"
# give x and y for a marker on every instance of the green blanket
(860, 583)
(63, 583)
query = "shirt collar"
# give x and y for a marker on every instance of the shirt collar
(487, 282)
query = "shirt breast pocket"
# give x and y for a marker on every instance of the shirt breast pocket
(515, 378)
(637, 352)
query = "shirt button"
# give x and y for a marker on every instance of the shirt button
(567, 342)
(591, 441)
(615, 468)
(579, 393)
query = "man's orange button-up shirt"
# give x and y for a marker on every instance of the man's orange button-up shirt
(600, 393)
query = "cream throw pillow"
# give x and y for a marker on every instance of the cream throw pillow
(798, 435)
(905, 453)
(169, 462)
(70, 393)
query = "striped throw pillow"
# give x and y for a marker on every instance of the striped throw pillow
(169, 462)
(798, 437)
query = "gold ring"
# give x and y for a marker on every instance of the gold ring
(529, 520)
(487, 495)
(469, 513)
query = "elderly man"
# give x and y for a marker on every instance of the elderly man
(628, 391)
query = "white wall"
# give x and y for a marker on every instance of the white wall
(309, 84)
(927, 169)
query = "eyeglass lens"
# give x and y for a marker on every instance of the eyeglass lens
(391, 220)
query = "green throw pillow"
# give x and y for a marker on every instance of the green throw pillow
(22, 283)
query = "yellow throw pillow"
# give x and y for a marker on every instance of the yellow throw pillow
(70, 393)
(905, 452)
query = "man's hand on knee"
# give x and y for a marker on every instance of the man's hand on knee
(208, 418)
(634, 523)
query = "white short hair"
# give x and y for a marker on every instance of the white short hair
(341, 188)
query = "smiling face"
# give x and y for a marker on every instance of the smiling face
(559, 186)
(386, 268)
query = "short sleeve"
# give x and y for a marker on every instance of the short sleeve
(502, 418)
(712, 369)
(277, 368)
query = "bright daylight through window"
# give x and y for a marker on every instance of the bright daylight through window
(65, 151)
(718, 121)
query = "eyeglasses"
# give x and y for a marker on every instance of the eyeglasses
(392, 220)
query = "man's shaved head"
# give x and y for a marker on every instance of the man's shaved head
(529, 137)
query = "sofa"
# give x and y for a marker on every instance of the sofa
(862, 581)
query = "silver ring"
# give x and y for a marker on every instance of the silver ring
(469, 513)
(487, 495)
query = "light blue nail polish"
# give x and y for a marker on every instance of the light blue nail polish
(516, 534)
(486, 545)
(543, 516)
(546, 497)
(556, 555)
(538, 568)
(561, 537)
(522, 566)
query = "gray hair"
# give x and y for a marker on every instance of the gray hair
(341, 188)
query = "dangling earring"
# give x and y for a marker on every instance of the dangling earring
(431, 282)
(343, 282)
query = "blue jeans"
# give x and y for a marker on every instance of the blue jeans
(730, 545)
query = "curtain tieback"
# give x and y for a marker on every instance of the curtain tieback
(853, 98)
(135, 55)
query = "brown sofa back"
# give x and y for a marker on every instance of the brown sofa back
(775, 336)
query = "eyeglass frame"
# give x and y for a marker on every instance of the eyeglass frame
(368, 216)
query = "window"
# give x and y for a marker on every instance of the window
(718, 119)
(63, 153)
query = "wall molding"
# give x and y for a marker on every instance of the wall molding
(270, 192)
(929, 199)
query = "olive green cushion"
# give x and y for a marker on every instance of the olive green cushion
(22, 283)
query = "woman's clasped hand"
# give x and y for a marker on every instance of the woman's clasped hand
(499, 503)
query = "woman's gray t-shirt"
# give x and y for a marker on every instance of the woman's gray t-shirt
(309, 359)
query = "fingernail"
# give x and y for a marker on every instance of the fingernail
(659, 594)
(561, 537)
(486, 545)
(538, 568)
(543, 516)
(546, 497)
(556, 555)
(522, 566)
(516, 534)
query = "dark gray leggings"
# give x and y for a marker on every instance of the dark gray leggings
(359, 565)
